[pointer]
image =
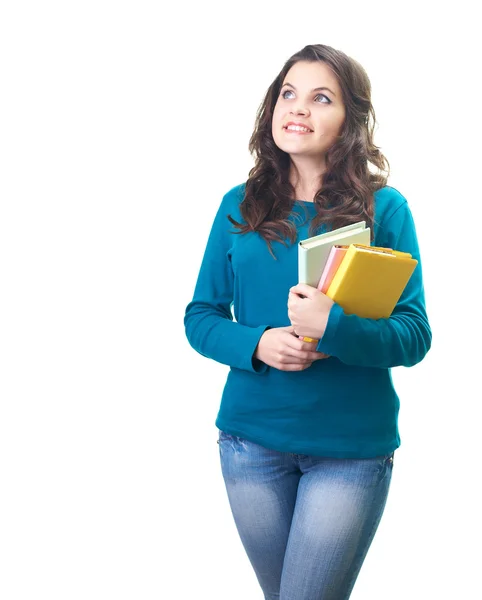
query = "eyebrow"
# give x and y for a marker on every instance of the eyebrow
(313, 90)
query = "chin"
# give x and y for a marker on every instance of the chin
(285, 146)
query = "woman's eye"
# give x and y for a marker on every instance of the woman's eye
(325, 97)
(328, 101)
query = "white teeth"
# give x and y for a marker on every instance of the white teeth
(297, 128)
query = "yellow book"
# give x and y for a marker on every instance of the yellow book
(370, 280)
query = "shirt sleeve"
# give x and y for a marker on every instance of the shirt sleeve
(405, 337)
(209, 325)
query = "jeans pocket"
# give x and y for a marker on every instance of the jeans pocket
(387, 468)
(224, 436)
(384, 466)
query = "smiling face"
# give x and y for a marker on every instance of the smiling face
(310, 97)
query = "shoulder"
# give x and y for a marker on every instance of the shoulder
(388, 200)
(231, 201)
(392, 215)
(235, 195)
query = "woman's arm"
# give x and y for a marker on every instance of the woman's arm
(208, 320)
(405, 337)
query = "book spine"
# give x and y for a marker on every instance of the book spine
(335, 258)
(302, 265)
(340, 273)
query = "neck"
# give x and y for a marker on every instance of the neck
(306, 176)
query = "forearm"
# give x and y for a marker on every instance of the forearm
(401, 340)
(215, 335)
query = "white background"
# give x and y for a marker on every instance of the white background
(122, 126)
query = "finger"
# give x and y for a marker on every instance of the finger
(293, 335)
(293, 299)
(288, 329)
(295, 355)
(317, 356)
(322, 355)
(298, 343)
(295, 366)
(296, 359)
(303, 289)
(295, 343)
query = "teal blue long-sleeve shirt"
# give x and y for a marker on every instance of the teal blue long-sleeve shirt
(343, 406)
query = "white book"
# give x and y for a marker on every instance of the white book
(313, 252)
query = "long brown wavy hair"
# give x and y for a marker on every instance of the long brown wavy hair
(346, 193)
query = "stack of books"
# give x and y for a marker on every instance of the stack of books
(364, 280)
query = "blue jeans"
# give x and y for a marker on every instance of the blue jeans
(306, 522)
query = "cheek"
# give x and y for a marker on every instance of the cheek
(328, 129)
(276, 125)
(330, 122)
(340, 122)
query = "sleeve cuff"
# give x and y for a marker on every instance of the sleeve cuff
(327, 343)
(256, 365)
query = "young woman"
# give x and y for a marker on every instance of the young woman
(307, 429)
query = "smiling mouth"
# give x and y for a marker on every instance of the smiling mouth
(293, 125)
(298, 131)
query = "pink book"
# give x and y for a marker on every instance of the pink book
(337, 254)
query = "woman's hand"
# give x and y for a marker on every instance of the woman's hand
(281, 348)
(308, 315)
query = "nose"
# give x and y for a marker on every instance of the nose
(300, 110)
